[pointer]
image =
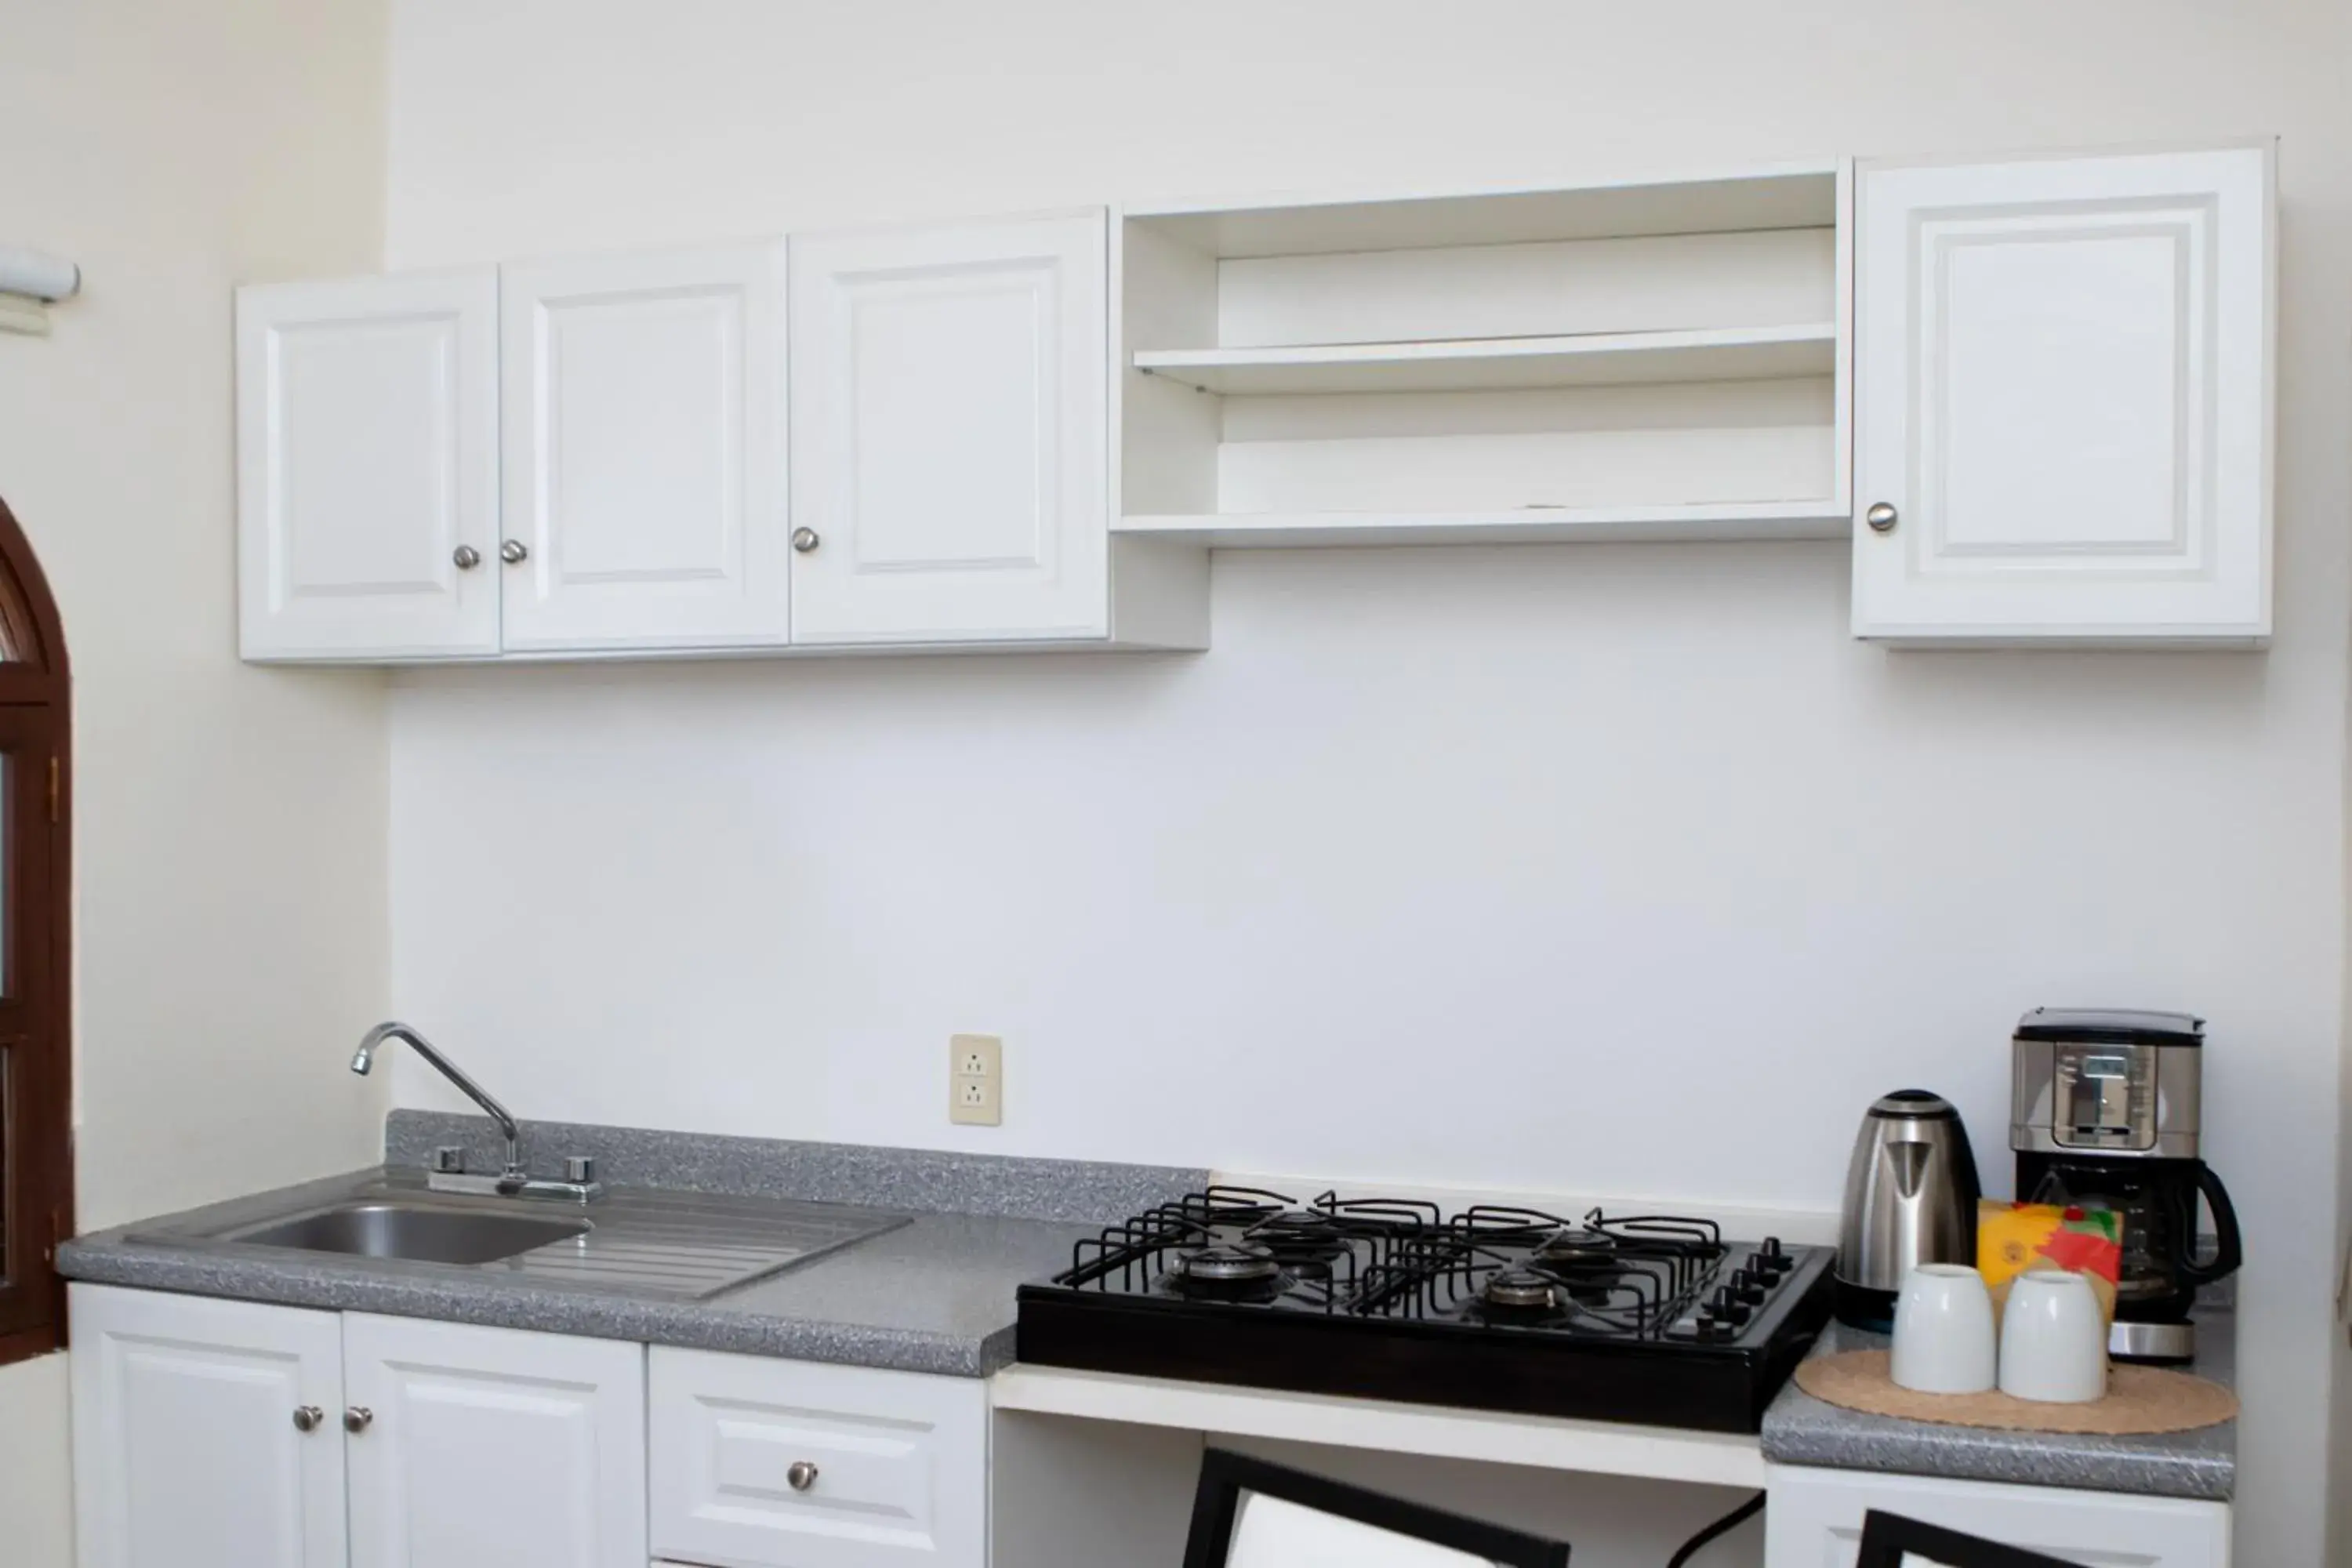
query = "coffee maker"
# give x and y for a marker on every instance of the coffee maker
(2104, 1115)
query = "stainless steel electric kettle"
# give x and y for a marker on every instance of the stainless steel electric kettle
(1910, 1198)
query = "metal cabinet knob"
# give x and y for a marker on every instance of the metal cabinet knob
(805, 540)
(800, 1475)
(358, 1419)
(307, 1417)
(467, 557)
(1881, 518)
(514, 551)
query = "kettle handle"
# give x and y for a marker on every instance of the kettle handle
(2229, 1251)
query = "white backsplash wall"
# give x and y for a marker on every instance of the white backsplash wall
(1610, 868)
(1601, 868)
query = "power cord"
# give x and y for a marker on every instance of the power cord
(1721, 1527)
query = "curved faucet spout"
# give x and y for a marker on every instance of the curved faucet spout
(364, 1057)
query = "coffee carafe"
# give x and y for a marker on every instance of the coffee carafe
(2105, 1115)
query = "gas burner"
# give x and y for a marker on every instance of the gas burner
(1228, 1271)
(1578, 1251)
(1521, 1295)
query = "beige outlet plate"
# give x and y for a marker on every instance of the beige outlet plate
(976, 1081)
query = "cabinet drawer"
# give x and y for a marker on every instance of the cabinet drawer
(899, 1464)
(1813, 1519)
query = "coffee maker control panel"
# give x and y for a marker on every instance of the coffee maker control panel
(2106, 1084)
(2105, 1097)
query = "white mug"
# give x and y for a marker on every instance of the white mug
(1943, 1332)
(2053, 1338)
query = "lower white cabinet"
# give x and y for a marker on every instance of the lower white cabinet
(207, 1434)
(230, 1435)
(777, 1463)
(1813, 1520)
(492, 1445)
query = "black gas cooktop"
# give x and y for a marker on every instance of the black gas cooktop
(1627, 1318)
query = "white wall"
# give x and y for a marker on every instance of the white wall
(229, 847)
(1615, 869)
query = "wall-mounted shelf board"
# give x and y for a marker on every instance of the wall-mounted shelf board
(1791, 196)
(1818, 518)
(1492, 364)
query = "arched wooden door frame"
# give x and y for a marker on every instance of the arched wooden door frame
(36, 957)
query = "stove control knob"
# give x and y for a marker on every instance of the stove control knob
(1774, 1256)
(1704, 1324)
(1728, 1307)
(1746, 1287)
(1763, 1270)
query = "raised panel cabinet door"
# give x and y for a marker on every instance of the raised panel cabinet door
(644, 428)
(1813, 1519)
(204, 1433)
(367, 436)
(778, 1464)
(472, 1444)
(2063, 399)
(949, 426)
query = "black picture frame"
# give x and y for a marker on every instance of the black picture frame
(1888, 1538)
(1225, 1476)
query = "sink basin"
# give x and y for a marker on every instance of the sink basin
(419, 1234)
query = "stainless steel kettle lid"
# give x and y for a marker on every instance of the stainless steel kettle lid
(1913, 1104)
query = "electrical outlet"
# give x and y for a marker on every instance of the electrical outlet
(976, 1081)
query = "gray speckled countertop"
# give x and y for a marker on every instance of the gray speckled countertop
(936, 1294)
(1801, 1430)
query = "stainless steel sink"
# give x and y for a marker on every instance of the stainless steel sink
(420, 1234)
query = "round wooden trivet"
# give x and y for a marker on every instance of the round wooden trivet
(2140, 1400)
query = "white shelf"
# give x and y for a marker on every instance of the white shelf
(1488, 364)
(1527, 525)
(1788, 196)
(1604, 1448)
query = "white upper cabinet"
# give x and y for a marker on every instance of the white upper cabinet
(950, 423)
(2063, 399)
(207, 1434)
(643, 433)
(367, 467)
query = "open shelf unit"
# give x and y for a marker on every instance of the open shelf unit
(1658, 360)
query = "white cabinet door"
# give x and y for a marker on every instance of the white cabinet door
(493, 1446)
(778, 1464)
(2063, 390)
(187, 1451)
(644, 428)
(1813, 1519)
(367, 467)
(950, 421)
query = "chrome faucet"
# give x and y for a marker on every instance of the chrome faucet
(449, 1176)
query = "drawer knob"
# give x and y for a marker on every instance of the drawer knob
(800, 1476)
(1881, 517)
(514, 551)
(307, 1417)
(805, 539)
(358, 1419)
(467, 557)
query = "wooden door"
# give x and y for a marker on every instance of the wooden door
(643, 433)
(473, 1445)
(367, 426)
(2063, 399)
(205, 1433)
(948, 427)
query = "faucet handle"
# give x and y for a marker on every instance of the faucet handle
(578, 1169)
(449, 1160)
